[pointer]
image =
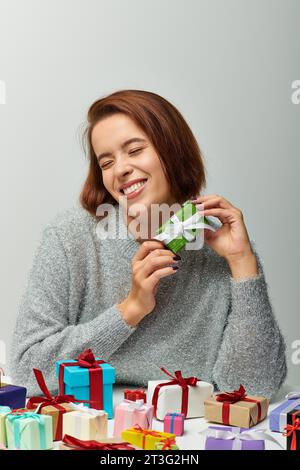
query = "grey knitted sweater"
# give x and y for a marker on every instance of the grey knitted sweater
(205, 323)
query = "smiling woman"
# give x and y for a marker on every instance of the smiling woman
(129, 299)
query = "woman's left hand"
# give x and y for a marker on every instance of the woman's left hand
(231, 240)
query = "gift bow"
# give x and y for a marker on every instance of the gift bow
(238, 437)
(292, 429)
(292, 396)
(134, 394)
(94, 445)
(84, 409)
(135, 405)
(180, 228)
(177, 380)
(229, 398)
(87, 359)
(167, 443)
(145, 433)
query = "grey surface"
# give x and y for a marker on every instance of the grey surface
(228, 66)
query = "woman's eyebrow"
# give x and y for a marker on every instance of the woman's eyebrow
(127, 142)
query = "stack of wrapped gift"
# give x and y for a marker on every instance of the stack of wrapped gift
(29, 431)
(179, 395)
(89, 380)
(236, 408)
(129, 413)
(146, 438)
(85, 423)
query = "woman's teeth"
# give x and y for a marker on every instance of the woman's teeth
(134, 187)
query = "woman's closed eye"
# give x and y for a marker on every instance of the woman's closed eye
(130, 153)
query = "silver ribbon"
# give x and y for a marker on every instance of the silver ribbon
(294, 400)
(238, 437)
(180, 228)
(84, 409)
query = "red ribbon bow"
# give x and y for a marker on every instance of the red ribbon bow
(145, 433)
(87, 360)
(49, 399)
(177, 380)
(292, 429)
(78, 444)
(229, 398)
(133, 395)
(170, 441)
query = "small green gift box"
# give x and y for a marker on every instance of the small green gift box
(182, 227)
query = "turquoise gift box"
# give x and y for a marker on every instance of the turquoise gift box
(77, 382)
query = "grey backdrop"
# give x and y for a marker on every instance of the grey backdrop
(227, 65)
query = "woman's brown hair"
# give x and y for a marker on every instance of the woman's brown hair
(168, 132)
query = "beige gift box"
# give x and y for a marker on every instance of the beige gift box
(243, 414)
(87, 425)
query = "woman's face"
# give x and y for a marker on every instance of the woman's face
(122, 162)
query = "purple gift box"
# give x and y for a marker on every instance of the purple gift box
(278, 416)
(12, 396)
(222, 438)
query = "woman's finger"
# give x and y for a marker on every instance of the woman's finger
(146, 248)
(225, 215)
(213, 200)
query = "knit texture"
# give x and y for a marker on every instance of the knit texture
(205, 323)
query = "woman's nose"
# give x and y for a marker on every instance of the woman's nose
(122, 167)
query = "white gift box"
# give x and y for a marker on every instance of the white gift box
(85, 423)
(170, 397)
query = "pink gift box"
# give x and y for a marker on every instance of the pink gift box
(174, 423)
(129, 413)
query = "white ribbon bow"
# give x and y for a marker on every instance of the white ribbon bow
(292, 395)
(134, 405)
(238, 437)
(180, 228)
(92, 411)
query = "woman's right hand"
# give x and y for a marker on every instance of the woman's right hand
(149, 265)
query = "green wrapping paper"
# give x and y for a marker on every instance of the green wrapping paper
(182, 227)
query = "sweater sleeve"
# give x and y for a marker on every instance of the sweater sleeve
(252, 351)
(43, 332)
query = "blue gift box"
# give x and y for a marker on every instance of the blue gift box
(278, 416)
(77, 383)
(12, 396)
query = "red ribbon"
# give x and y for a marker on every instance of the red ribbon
(177, 380)
(145, 433)
(170, 441)
(47, 400)
(229, 398)
(78, 444)
(87, 360)
(135, 395)
(292, 429)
